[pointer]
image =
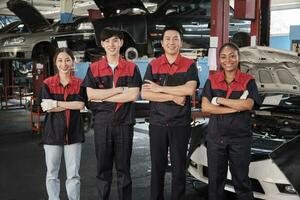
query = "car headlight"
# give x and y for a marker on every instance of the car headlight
(286, 188)
(14, 41)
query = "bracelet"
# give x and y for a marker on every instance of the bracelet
(217, 100)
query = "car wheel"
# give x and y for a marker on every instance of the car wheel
(131, 53)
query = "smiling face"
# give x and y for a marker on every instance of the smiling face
(229, 59)
(64, 63)
(171, 42)
(112, 46)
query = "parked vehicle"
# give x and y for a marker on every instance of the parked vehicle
(143, 28)
(275, 125)
(32, 41)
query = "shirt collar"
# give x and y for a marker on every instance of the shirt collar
(121, 64)
(177, 61)
(236, 77)
(57, 80)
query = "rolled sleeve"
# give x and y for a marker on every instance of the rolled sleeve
(253, 93)
(207, 91)
(89, 80)
(192, 74)
(136, 80)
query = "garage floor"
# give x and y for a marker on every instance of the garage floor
(23, 170)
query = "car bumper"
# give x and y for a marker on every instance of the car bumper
(265, 175)
(20, 52)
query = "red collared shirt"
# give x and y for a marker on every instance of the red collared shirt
(65, 127)
(101, 76)
(169, 113)
(234, 126)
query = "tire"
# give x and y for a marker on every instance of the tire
(131, 53)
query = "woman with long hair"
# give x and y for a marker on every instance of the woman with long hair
(62, 99)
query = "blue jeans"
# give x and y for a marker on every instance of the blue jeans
(72, 154)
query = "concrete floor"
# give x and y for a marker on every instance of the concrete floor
(23, 170)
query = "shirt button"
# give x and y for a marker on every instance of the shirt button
(221, 141)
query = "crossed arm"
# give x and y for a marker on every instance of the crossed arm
(154, 92)
(118, 94)
(228, 105)
(64, 105)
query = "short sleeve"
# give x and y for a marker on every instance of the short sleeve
(192, 74)
(207, 91)
(148, 74)
(44, 93)
(136, 79)
(81, 96)
(253, 93)
(89, 80)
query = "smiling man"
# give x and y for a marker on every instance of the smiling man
(169, 82)
(113, 84)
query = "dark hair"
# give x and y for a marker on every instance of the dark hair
(230, 45)
(109, 32)
(172, 28)
(65, 50)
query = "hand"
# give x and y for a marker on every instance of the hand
(214, 101)
(179, 100)
(48, 104)
(244, 95)
(151, 86)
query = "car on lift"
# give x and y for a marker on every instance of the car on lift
(275, 158)
(143, 26)
(31, 45)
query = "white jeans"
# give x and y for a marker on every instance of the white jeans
(72, 154)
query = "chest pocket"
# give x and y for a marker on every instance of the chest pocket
(104, 82)
(124, 81)
(159, 78)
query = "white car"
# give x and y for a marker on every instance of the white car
(275, 160)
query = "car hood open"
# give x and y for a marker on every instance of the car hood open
(275, 71)
(108, 7)
(262, 54)
(35, 21)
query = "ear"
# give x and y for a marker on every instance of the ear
(122, 42)
(102, 43)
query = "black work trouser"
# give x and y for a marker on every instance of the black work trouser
(238, 156)
(160, 139)
(113, 144)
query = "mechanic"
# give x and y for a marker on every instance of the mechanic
(170, 112)
(62, 99)
(229, 95)
(113, 84)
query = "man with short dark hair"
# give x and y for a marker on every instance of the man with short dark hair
(169, 82)
(113, 85)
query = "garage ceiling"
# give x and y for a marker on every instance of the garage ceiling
(51, 8)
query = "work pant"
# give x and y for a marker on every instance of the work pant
(238, 156)
(113, 144)
(72, 154)
(160, 139)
